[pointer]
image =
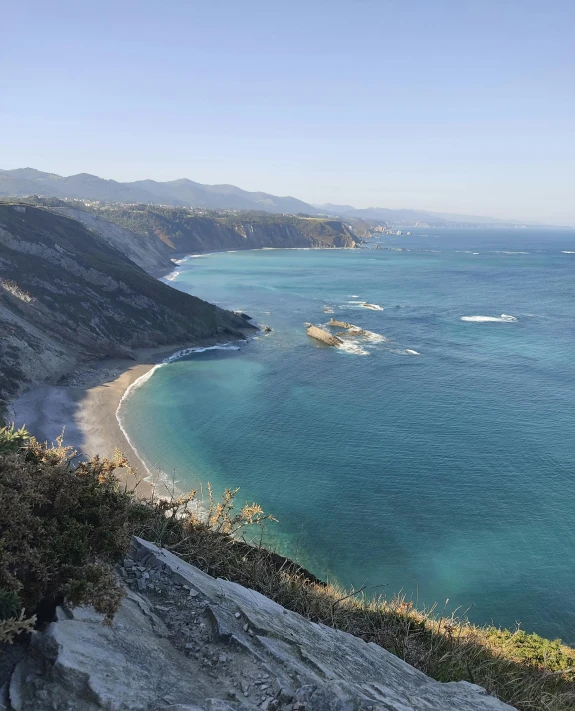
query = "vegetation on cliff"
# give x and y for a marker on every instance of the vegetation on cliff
(166, 231)
(186, 231)
(67, 523)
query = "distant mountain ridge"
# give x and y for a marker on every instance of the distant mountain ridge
(23, 182)
(183, 192)
(411, 216)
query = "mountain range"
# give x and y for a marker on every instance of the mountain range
(183, 192)
(22, 182)
(408, 216)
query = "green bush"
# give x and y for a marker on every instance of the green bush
(62, 525)
(12, 439)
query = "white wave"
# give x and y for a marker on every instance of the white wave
(374, 337)
(504, 318)
(353, 296)
(352, 347)
(475, 252)
(566, 251)
(172, 275)
(143, 379)
(373, 307)
(412, 352)
(199, 349)
(363, 305)
(506, 251)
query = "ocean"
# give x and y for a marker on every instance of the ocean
(433, 455)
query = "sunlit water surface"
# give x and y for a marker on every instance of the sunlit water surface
(439, 461)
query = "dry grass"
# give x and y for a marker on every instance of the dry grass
(525, 670)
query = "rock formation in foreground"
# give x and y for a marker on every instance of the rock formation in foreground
(184, 641)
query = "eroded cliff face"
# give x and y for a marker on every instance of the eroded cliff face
(184, 641)
(205, 235)
(177, 231)
(67, 295)
(146, 251)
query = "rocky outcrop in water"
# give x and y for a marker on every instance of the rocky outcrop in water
(324, 336)
(339, 324)
(184, 641)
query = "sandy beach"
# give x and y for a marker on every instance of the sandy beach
(84, 409)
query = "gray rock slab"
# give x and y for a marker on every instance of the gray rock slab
(224, 648)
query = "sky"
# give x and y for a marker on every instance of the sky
(454, 106)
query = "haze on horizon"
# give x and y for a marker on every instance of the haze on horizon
(449, 106)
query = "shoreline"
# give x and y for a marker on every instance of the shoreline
(85, 408)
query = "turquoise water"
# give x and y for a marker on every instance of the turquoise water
(448, 473)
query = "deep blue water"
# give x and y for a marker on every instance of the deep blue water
(447, 474)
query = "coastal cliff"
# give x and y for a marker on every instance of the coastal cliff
(67, 296)
(178, 231)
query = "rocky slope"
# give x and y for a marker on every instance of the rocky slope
(184, 641)
(146, 250)
(67, 295)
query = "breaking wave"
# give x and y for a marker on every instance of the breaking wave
(365, 305)
(144, 379)
(504, 318)
(352, 347)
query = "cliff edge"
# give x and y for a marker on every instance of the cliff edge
(185, 641)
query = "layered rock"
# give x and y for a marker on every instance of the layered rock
(322, 335)
(339, 324)
(184, 641)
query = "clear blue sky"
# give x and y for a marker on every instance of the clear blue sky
(461, 106)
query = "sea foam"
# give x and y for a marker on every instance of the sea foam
(143, 379)
(504, 318)
(352, 347)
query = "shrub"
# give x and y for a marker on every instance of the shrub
(12, 439)
(63, 525)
